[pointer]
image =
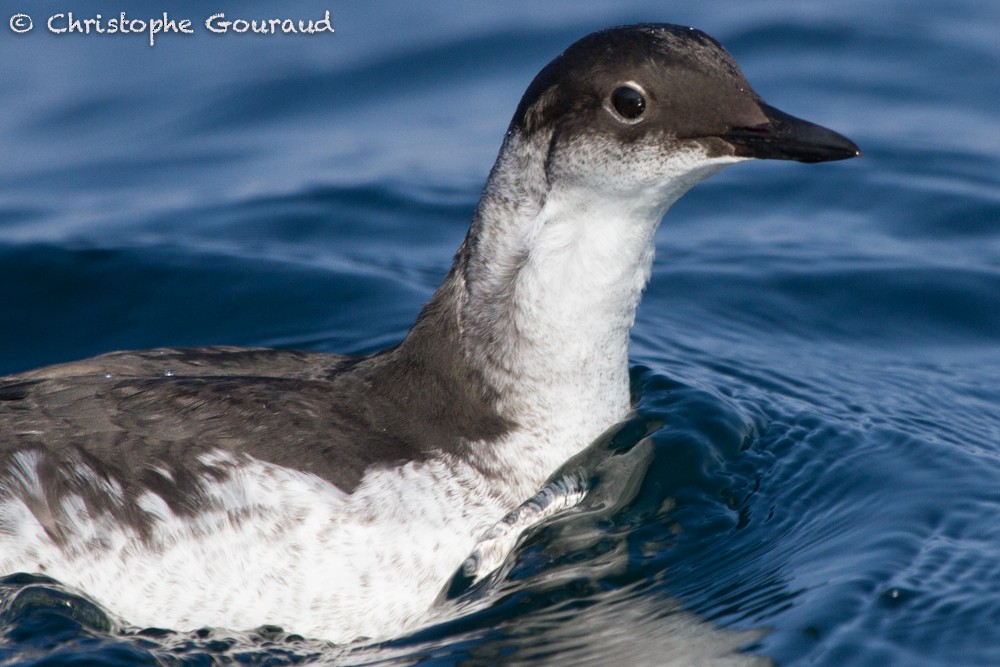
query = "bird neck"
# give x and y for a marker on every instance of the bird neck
(539, 302)
(545, 288)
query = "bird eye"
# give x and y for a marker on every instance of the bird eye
(628, 102)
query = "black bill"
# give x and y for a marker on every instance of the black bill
(786, 137)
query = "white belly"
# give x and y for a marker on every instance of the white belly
(279, 547)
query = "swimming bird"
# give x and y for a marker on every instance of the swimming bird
(336, 496)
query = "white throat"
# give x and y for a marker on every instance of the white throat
(553, 280)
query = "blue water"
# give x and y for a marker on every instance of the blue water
(813, 471)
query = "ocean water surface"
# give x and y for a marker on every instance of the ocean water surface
(812, 472)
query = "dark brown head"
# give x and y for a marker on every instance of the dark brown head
(666, 84)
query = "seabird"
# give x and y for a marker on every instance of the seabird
(336, 496)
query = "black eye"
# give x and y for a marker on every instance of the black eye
(628, 102)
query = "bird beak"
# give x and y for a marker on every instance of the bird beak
(785, 137)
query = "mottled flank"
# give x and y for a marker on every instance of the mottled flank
(268, 545)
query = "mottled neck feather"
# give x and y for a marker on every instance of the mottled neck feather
(530, 328)
(537, 307)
